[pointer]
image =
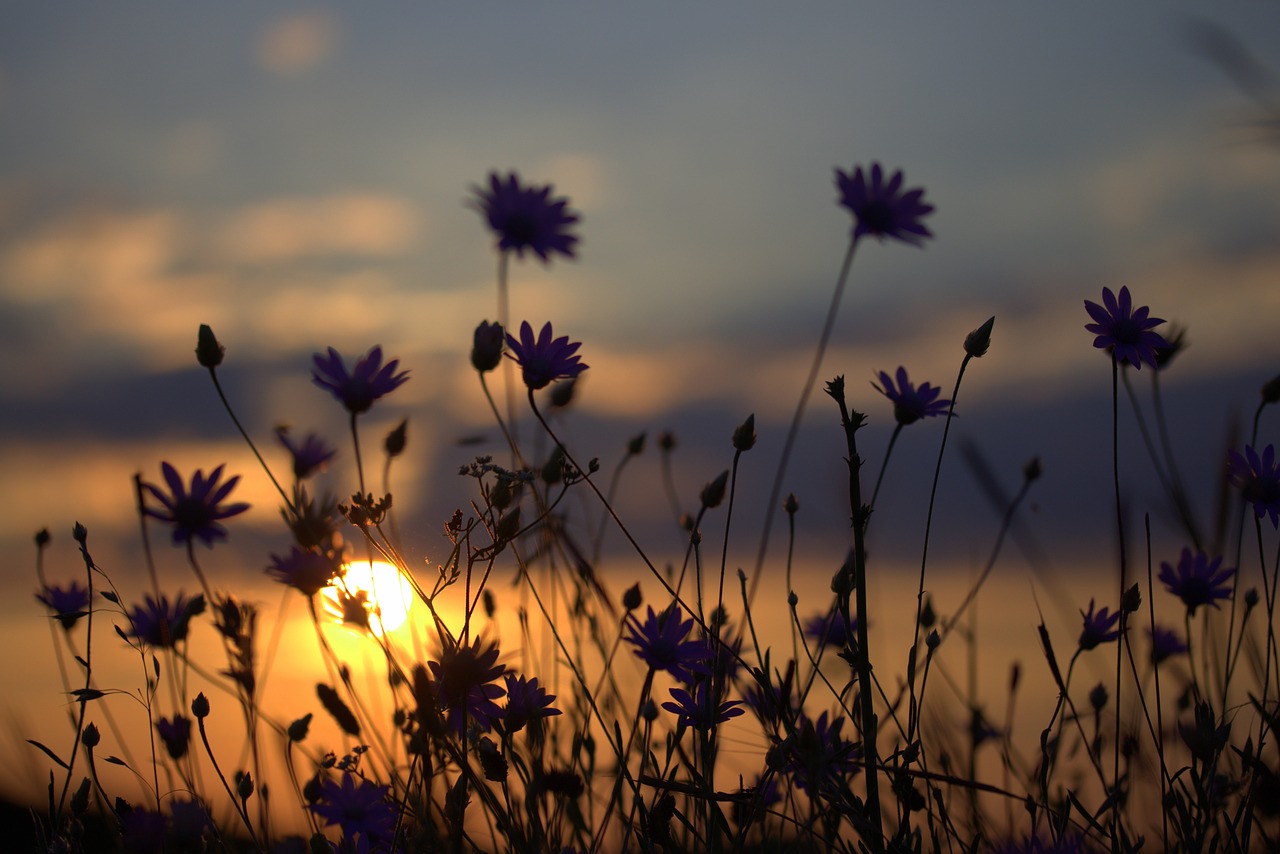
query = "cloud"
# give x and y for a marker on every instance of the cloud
(297, 43)
(290, 229)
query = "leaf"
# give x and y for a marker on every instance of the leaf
(116, 760)
(334, 705)
(110, 597)
(84, 695)
(49, 753)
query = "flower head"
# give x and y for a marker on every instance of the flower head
(831, 630)
(1196, 580)
(195, 513)
(661, 643)
(310, 456)
(1165, 643)
(68, 603)
(306, 570)
(526, 701)
(821, 759)
(176, 735)
(367, 381)
(463, 678)
(526, 217)
(358, 806)
(1124, 330)
(158, 623)
(1097, 627)
(881, 209)
(1258, 478)
(909, 402)
(544, 359)
(699, 709)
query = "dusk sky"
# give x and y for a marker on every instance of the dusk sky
(297, 176)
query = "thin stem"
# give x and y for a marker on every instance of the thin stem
(213, 373)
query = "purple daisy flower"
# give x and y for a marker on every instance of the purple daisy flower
(198, 512)
(699, 709)
(526, 217)
(829, 629)
(462, 684)
(526, 701)
(176, 735)
(309, 457)
(882, 210)
(68, 603)
(1258, 479)
(1196, 580)
(358, 806)
(820, 757)
(306, 570)
(1124, 330)
(158, 623)
(1097, 627)
(661, 643)
(368, 380)
(910, 404)
(1165, 643)
(546, 359)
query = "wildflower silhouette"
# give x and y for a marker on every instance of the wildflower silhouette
(545, 359)
(306, 570)
(309, 457)
(194, 514)
(527, 217)
(1258, 478)
(486, 349)
(526, 701)
(159, 623)
(1196, 580)
(1097, 627)
(910, 403)
(881, 209)
(1165, 643)
(176, 735)
(360, 807)
(661, 642)
(463, 678)
(1125, 331)
(68, 603)
(367, 381)
(821, 759)
(699, 709)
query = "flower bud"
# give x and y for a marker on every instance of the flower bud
(1251, 598)
(632, 599)
(1098, 697)
(1032, 470)
(1131, 599)
(42, 537)
(933, 640)
(298, 729)
(562, 393)
(396, 439)
(1271, 391)
(744, 437)
(200, 706)
(244, 785)
(978, 341)
(713, 492)
(90, 736)
(486, 351)
(791, 506)
(209, 352)
(667, 441)
(635, 446)
(80, 533)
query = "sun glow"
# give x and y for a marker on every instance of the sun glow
(377, 589)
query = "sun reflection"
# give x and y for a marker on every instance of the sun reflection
(370, 590)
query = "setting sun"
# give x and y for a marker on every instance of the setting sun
(386, 593)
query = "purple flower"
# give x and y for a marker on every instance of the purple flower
(143, 831)
(526, 701)
(368, 380)
(1196, 580)
(1124, 330)
(68, 603)
(545, 359)
(195, 514)
(661, 643)
(463, 676)
(308, 571)
(1165, 643)
(358, 806)
(910, 403)
(311, 456)
(880, 209)
(1258, 479)
(829, 629)
(176, 735)
(699, 710)
(526, 217)
(820, 758)
(1097, 627)
(159, 624)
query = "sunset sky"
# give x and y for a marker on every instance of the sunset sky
(297, 176)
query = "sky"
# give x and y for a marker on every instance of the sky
(298, 177)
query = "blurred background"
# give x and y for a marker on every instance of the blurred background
(297, 176)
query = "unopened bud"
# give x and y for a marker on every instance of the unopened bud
(1271, 390)
(396, 439)
(79, 533)
(1098, 697)
(562, 393)
(631, 599)
(713, 492)
(791, 505)
(298, 729)
(244, 785)
(486, 351)
(978, 341)
(1131, 600)
(209, 352)
(635, 446)
(200, 706)
(42, 537)
(1032, 470)
(90, 736)
(667, 441)
(744, 437)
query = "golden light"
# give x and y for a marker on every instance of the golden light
(376, 586)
